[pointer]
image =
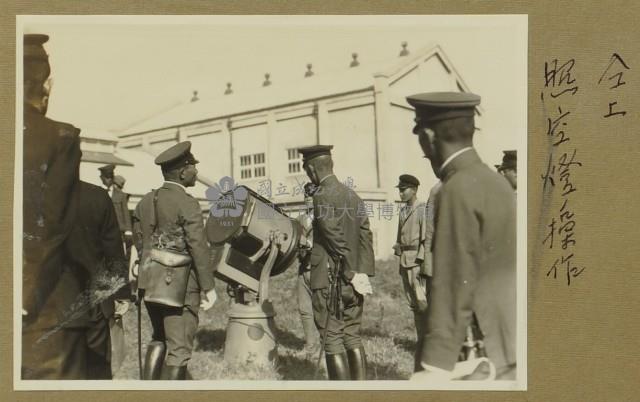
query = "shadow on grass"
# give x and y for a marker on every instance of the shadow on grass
(289, 339)
(210, 340)
(408, 344)
(292, 367)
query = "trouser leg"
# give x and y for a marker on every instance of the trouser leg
(305, 309)
(62, 356)
(99, 348)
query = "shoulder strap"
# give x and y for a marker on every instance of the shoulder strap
(154, 212)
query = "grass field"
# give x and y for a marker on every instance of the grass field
(387, 329)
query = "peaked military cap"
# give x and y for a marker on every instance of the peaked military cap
(107, 170)
(436, 106)
(33, 47)
(176, 156)
(407, 180)
(509, 160)
(314, 151)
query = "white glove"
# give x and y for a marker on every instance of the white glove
(431, 374)
(208, 299)
(361, 284)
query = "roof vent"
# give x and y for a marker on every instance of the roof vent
(228, 91)
(266, 82)
(309, 73)
(404, 51)
(354, 62)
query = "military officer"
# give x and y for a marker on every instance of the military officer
(102, 257)
(106, 176)
(50, 199)
(171, 213)
(341, 262)
(474, 271)
(509, 168)
(413, 246)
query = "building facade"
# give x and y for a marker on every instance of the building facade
(253, 137)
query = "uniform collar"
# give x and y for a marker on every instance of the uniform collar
(326, 178)
(452, 157)
(462, 160)
(172, 184)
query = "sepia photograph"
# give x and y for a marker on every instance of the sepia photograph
(287, 202)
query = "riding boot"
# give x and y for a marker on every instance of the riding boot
(153, 361)
(174, 373)
(337, 366)
(357, 363)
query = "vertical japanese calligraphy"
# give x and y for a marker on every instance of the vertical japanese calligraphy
(560, 86)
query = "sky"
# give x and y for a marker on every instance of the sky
(111, 73)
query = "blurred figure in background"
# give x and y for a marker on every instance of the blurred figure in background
(509, 168)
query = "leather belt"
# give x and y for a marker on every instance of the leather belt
(408, 248)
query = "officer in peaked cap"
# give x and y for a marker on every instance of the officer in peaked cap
(407, 181)
(51, 161)
(106, 176)
(341, 262)
(170, 213)
(475, 211)
(413, 249)
(177, 156)
(509, 167)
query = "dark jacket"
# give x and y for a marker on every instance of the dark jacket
(50, 178)
(101, 252)
(341, 229)
(178, 214)
(474, 264)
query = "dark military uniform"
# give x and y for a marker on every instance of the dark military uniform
(177, 213)
(51, 163)
(103, 257)
(474, 250)
(340, 233)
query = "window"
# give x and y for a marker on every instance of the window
(294, 160)
(253, 166)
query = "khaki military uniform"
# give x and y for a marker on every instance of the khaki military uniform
(177, 213)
